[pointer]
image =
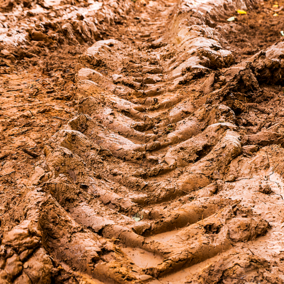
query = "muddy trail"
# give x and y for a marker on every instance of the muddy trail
(141, 142)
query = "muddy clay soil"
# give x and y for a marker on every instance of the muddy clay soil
(141, 142)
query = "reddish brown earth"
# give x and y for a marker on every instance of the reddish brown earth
(141, 142)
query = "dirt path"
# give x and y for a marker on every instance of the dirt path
(142, 143)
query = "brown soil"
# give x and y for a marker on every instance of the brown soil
(255, 32)
(141, 142)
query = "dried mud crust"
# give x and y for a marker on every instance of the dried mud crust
(166, 164)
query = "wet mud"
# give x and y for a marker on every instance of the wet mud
(141, 142)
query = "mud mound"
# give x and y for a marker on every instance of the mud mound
(151, 148)
(238, 268)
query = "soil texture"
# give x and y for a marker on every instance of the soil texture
(141, 141)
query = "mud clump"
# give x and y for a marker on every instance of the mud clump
(238, 267)
(265, 188)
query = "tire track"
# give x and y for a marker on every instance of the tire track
(148, 166)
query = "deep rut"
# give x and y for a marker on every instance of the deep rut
(156, 179)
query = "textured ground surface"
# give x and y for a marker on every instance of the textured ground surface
(141, 142)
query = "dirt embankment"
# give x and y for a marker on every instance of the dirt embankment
(141, 142)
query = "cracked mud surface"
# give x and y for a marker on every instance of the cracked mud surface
(141, 142)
